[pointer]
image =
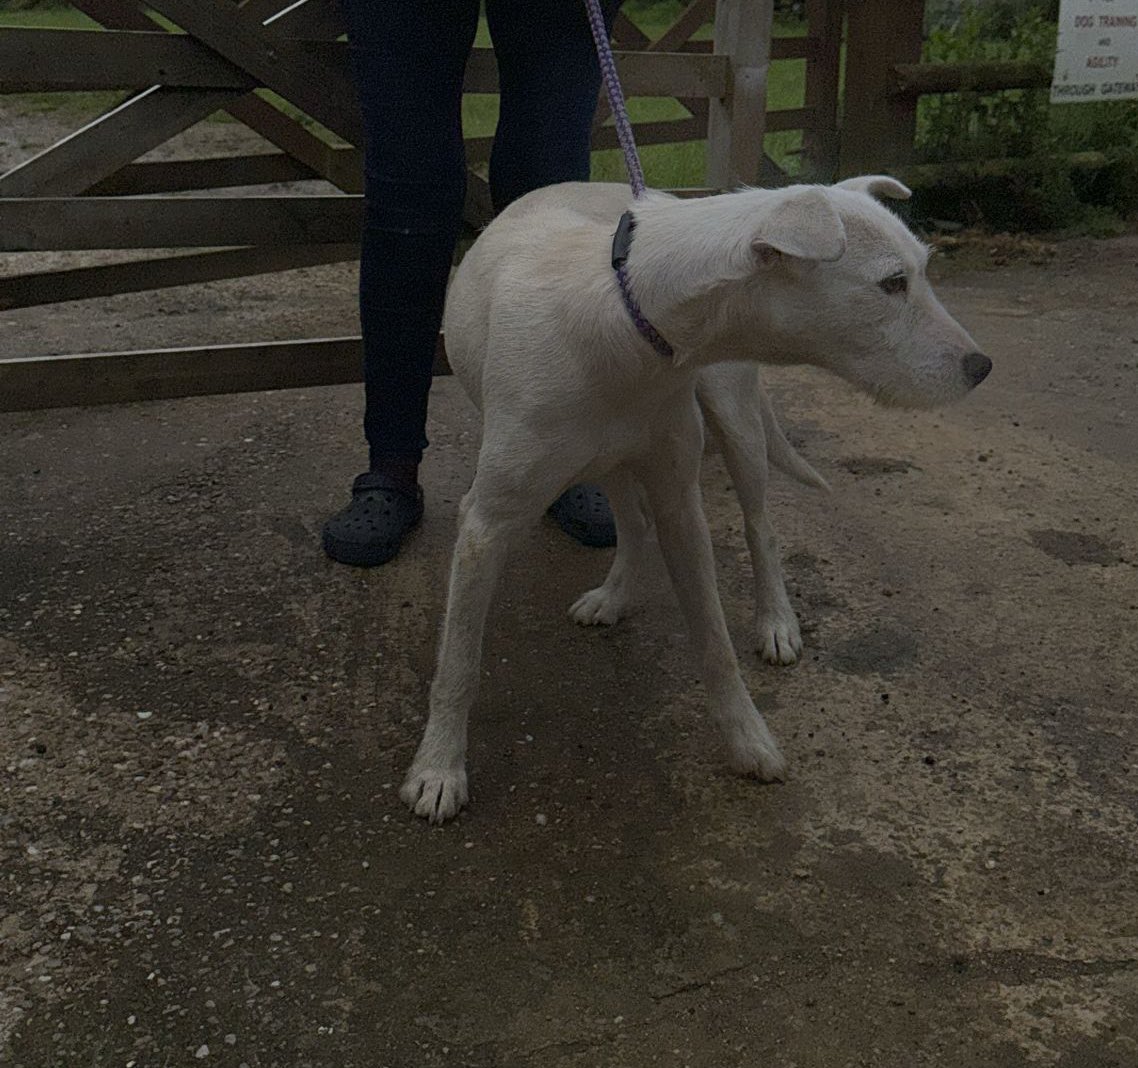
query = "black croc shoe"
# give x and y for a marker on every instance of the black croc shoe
(371, 529)
(584, 514)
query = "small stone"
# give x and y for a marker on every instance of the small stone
(202, 1052)
(144, 715)
(541, 819)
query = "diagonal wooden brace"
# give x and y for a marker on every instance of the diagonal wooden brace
(322, 91)
(111, 141)
(151, 118)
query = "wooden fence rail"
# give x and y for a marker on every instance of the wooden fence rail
(91, 191)
(917, 79)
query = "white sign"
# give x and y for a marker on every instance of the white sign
(1097, 54)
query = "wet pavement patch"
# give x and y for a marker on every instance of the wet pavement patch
(883, 650)
(870, 466)
(1074, 547)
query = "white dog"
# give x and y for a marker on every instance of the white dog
(573, 388)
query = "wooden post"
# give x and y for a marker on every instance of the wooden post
(737, 122)
(878, 126)
(823, 86)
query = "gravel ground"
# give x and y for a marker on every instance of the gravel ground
(203, 724)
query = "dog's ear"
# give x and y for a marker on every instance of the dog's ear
(802, 223)
(880, 186)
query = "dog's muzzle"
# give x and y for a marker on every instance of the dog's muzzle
(976, 368)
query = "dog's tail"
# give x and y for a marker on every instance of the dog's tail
(782, 455)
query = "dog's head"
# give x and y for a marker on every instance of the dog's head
(827, 275)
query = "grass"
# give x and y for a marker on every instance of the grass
(51, 18)
(681, 164)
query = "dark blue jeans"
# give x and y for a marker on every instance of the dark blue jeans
(409, 57)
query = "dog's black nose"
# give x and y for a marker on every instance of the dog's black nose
(976, 367)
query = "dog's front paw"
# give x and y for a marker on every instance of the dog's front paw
(599, 607)
(755, 753)
(779, 639)
(436, 794)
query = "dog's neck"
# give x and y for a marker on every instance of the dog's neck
(621, 243)
(685, 256)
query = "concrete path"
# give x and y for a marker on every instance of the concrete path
(203, 724)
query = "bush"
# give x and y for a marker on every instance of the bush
(956, 126)
(1044, 191)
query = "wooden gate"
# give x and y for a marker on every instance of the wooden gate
(281, 68)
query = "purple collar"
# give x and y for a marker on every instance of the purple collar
(621, 242)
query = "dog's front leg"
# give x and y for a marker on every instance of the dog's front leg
(776, 625)
(435, 786)
(607, 603)
(685, 541)
(731, 406)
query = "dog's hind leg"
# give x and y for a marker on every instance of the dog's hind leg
(732, 411)
(673, 492)
(435, 786)
(608, 602)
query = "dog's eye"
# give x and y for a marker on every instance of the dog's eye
(894, 284)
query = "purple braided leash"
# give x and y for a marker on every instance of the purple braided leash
(635, 177)
(616, 97)
(650, 333)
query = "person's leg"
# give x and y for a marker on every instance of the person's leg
(549, 79)
(409, 61)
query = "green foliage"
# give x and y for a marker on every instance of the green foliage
(1045, 192)
(953, 126)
